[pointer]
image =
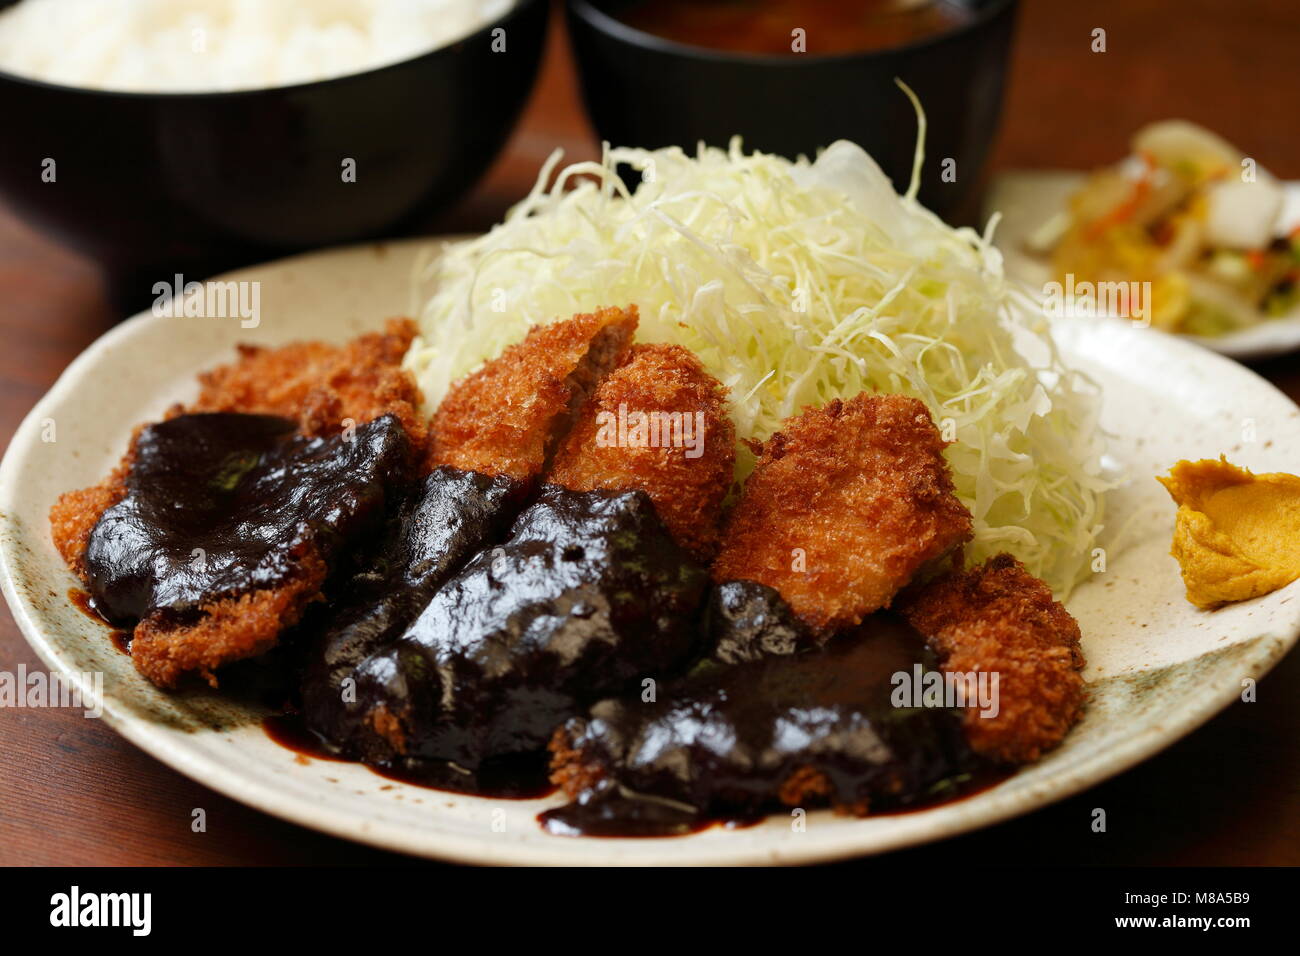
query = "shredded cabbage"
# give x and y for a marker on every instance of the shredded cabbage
(796, 283)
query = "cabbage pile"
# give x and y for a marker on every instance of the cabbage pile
(796, 283)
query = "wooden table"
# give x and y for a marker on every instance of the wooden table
(73, 792)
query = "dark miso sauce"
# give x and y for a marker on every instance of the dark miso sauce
(973, 782)
(632, 816)
(770, 720)
(249, 494)
(516, 778)
(84, 603)
(766, 26)
(290, 732)
(607, 815)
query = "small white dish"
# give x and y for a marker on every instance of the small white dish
(1028, 199)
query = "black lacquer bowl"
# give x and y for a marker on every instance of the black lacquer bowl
(151, 184)
(643, 90)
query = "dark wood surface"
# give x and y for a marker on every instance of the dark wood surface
(73, 792)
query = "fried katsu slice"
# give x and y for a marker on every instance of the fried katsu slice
(999, 619)
(846, 504)
(587, 596)
(319, 385)
(227, 529)
(74, 515)
(800, 727)
(509, 417)
(658, 423)
(449, 517)
(226, 630)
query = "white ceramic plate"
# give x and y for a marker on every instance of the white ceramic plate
(1026, 200)
(1157, 666)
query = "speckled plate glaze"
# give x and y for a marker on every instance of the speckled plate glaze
(1028, 199)
(1157, 667)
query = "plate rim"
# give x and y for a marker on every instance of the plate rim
(1150, 738)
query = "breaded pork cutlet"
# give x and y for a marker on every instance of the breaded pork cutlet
(321, 386)
(318, 388)
(658, 423)
(587, 596)
(509, 417)
(799, 727)
(999, 619)
(846, 504)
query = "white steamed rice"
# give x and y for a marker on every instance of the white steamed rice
(213, 45)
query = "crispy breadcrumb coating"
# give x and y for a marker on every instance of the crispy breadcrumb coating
(684, 456)
(74, 515)
(320, 385)
(846, 504)
(509, 416)
(806, 786)
(576, 772)
(232, 629)
(572, 769)
(999, 619)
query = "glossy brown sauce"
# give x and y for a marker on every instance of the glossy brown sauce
(587, 595)
(627, 819)
(84, 603)
(222, 504)
(726, 740)
(521, 779)
(632, 819)
(617, 813)
(289, 731)
(516, 778)
(978, 781)
(766, 26)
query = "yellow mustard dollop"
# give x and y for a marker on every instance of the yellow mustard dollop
(1237, 534)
